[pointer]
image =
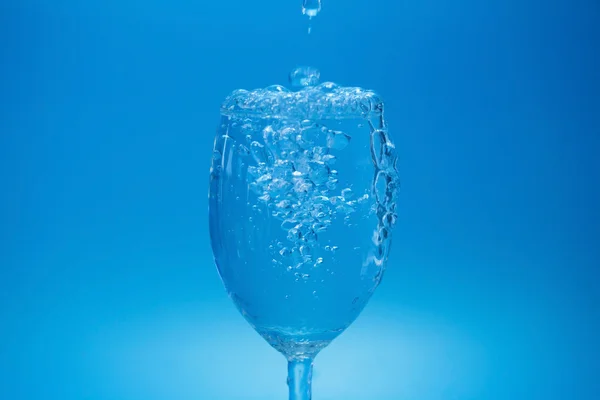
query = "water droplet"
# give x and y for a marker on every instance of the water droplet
(319, 261)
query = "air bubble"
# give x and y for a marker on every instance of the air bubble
(331, 183)
(302, 276)
(389, 219)
(347, 194)
(319, 227)
(328, 159)
(243, 150)
(289, 224)
(304, 251)
(363, 199)
(312, 100)
(311, 136)
(258, 152)
(337, 140)
(303, 186)
(318, 172)
(384, 234)
(277, 88)
(381, 187)
(284, 204)
(294, 235)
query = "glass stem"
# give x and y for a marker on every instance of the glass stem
(300, 378)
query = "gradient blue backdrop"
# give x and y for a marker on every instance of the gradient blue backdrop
(107, 115)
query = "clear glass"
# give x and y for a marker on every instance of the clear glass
(302, 203)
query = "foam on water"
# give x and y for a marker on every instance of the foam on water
(323, 101)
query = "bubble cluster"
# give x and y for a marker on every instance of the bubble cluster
(291, 168)
(293, 175)
(325, 100)
(384, 188)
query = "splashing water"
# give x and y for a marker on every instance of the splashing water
(311, 8)
(304, 76)
(304, 186)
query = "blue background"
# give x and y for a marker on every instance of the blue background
(107, 116)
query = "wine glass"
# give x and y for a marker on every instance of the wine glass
(302, 203)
